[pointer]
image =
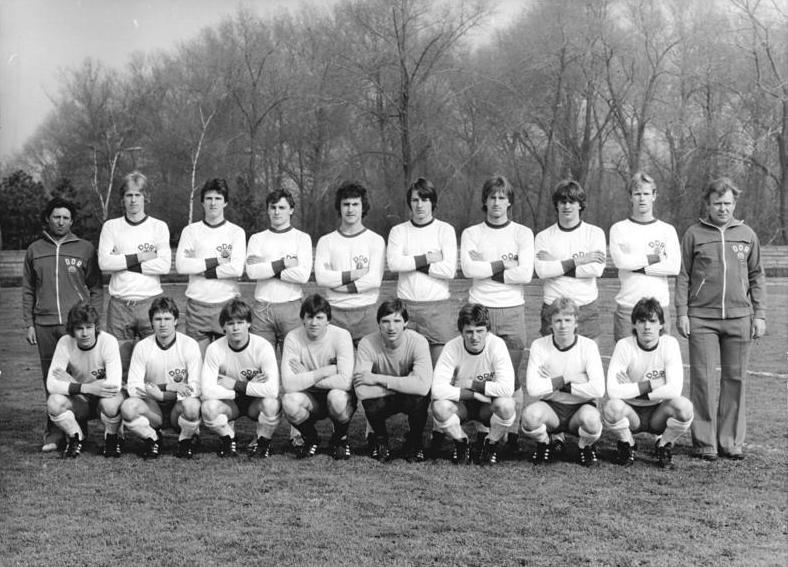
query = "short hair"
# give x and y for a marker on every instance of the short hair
(640, 179)
(163, 304)
(276, 195)
(561, 305)
(719, 187)
(82, 313)
(218, 185)
(569, 190)
(135, 180)
(424, 189)
(644, 309)
(235, 309)
(497, 184)
(392, 306)
(58, 203)
(473, 314)
(313, 305)
(352, 190)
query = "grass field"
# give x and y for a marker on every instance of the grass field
(92, 511)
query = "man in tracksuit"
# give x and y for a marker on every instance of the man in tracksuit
(60, 270)
(721, 307)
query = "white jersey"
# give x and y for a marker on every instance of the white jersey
(645, 253)
(407, 369)
(335, 348)
(407, 255)
(255, 363)
(275, 283)
(580, 360)
(337, 254)
(120, 242)
(493, 285)
(661, 366)
(457, 369)
(200, 247)
(102, 362)
(579, 283)
(153, 364)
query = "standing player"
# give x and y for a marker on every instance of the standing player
(60, 270)
(565, 373)
(393, 375)
(644, 382)
(240, 377)
(317, 373)
(164, 383)
(721, 307)
(135, 250)
(349, 262)
(212, 253)
(84, 381)
(570, 256)
(423, 251)
(645, 251)
(474, 380)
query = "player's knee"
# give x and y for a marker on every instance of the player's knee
(683, 409)
(191, 409)
(130, 409)
(504, 408)
(591, 420)
(533, 417)
(57, 404)
(210, 409)
(614, 410)
(292, 404)
(110, 406)
(270, 407)
(443, 409)
(338, 401)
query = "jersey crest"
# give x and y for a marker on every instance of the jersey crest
(178, 375)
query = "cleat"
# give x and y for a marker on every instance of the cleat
(372, 446)
(383, 454)
(262, 449)
(413, 451)
(665, 456)
(437, 441)
(227, 447)
(557, 448)
(625, 455)
(511, 448)
(152, 448)
(489, 454)
(462, 453)
(307, 450)
(185, 449)
(340, 449)
(73, 447)
(478, 446)
(588, 456)
(541, 454)
(111, 446)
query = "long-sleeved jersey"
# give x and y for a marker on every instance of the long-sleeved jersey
(407, 368)
(493, 285)
(120, 242)
(102, 362)
(151, 363)
(337, 254)
(581, 359)
(645, 253)
(488, 372)
(275, 283)
(199, 249)
(561, 278)
(406, 254)
(654, 375)
(334, 348)
(253, 367)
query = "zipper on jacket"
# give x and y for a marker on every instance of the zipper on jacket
(724, 270)
(57, 282)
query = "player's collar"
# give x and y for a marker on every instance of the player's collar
(497, 226)
(248, 340)
(90, 348)
(346, 235)
(571, 228)
(169, 346)
(643, 348)
(217, 225)
(574, 342)
(135, 223)
(280, 231)
(644, 222)
(417, 225)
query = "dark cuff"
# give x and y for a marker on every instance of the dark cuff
(351, 287)
(569, 267)
(210, 274)
(424, 269)
(133, 263)
(558, 383)
(653, 258)
(639, 271)
(644, 387)
(211, 263)
(478, 386)
(278, 265)
(497, 266)
(346, 278)
(239, 387)
(74, 388)
(421, 261)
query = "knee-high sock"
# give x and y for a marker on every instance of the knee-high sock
(220, 426)
(539, 434)
(188, 428)
(673, 430)
(68, 423)
(267, 425)
(294, 433)
(111, 424)
(518, 411)
(140, 426)
(499, 427)
(587, 438)
(620, 430)
(452, 428)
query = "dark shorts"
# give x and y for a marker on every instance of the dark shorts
(565, 413)
(645, 413)
(474, 410)
(319, 401)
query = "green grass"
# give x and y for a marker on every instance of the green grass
(92, 511)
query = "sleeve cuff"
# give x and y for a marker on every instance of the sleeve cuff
(568, 266)
(346, 278)
(421, 261)
(278, 266)
(74, 388)
(239, 387)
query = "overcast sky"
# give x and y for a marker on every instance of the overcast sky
(38, 38)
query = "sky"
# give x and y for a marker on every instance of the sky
(41, 38)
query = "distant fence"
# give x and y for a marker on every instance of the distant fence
(774, 258)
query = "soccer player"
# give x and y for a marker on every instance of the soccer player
(212, 252)
(721, 307)
(240, 377)
(135, 250)
(565, 373)
(423, 252)
(164, 383)
(646, 251)
(349, 262)
(570, 256)
(84, 381)
(644, 382)
(393, 375)
(317, 374)
(59, 271)
(473, 380)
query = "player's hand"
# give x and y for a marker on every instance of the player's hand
(359, 273)
(222, 259)
(180, 388)
(545, 256)
(476, 256)
(60, 374)
(434, 256)
(683, 326)
(591, 257)
(108, 390)
(622, 377)
(296, 367)
(154, 392)
(544, 373)
(508, 264)
(189, 253)
(758, 328)
(147, 255)
(226, 382)
(254, 259)
(260, 378)
(31, 335)
(658, 383)
(481, 398)
(364, 378)
(290, 261)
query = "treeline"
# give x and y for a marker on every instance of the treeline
(384, 91)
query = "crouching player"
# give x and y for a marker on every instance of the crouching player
(240, 377)
(84, 381)
(393, 375)
(317, 374)
(473, 380)
(164, 383)
(644, 382)
(565, 372)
